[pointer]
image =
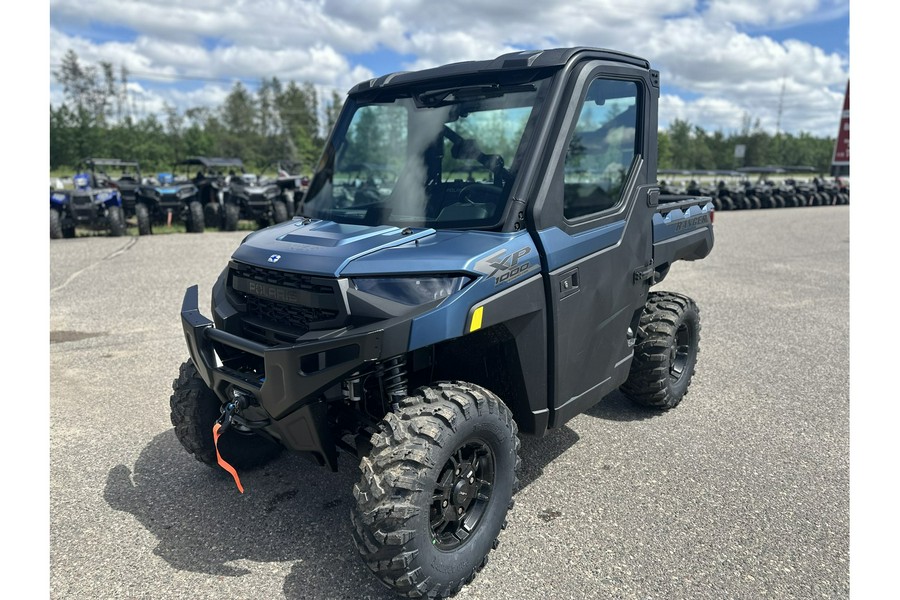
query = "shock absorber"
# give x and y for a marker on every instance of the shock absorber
(393, 378)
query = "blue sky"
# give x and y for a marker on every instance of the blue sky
(721, 61)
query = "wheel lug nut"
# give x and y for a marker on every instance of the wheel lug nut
(459, 511)
(456, 472)
(471, 480)
(444, 504)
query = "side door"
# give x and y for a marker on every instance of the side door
(592, 219)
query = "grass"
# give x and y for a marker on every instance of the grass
(132, 230)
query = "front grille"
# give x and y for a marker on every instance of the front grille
(299, 317)
(286, 305)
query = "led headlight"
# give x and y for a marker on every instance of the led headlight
(411, 291)
(187, 191)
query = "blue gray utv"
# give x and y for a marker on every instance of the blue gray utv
(94, 202)
(472, 262)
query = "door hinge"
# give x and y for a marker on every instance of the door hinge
(645, 272)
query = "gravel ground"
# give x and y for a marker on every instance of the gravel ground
(740, 492)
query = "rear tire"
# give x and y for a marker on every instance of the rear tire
(56, 230)
(195, 223)
(195, 409)
(116, 221)
(665, 354)
(435, 489)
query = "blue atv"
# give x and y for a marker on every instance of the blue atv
(94, 203)
(165, 200)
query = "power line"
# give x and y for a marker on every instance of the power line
(167, 77)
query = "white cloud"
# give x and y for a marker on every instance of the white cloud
(698, 47)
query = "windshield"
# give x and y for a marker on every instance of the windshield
(441, 158)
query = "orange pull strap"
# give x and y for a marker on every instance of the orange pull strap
(222, 463)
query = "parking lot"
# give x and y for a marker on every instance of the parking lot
(740, 492)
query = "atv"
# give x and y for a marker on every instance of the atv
(95, 202)
(250, 197)
(186, 199)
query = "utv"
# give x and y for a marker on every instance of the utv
(94, 202)
(421, 320)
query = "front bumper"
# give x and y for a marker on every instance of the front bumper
(295, 377)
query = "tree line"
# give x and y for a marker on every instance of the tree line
(283, 121)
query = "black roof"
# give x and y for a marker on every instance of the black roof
(211, 161)
(527, 59)
(109, 162)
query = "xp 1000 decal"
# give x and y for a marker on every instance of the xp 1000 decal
(505, 265)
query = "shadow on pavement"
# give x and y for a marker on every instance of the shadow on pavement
(616, 407)
(292, 511)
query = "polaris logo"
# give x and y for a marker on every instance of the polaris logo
(274, 258)
(504, 265)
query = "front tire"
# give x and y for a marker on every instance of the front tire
(212, 213)
(665, 354)
(280, 210)
(116, 221)
(56, 230)
(232, 215)
(196, 224)
(436, 488)
(195, 409)
(143, 218)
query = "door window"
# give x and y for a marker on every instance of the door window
(602, 148)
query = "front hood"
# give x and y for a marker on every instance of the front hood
(333, 249)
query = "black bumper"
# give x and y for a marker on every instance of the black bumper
(290, 393)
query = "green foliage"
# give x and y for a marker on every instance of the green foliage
(686, 146)
(277, 122)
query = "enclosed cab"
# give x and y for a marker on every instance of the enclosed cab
(472, 261)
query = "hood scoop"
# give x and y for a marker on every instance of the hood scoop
(331, 234)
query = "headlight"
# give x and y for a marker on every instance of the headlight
(411, 291)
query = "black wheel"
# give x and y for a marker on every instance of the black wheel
(56, 230)
(195, 409)
(778, 200)
(232, 215)
(143, 218)
(116, 221)
(436, 488)
(195, 222)
(211, 214)
(665, 354)
(280, 210)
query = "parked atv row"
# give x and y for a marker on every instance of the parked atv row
(758, 187)
(199, 192)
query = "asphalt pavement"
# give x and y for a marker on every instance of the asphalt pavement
(742, 491)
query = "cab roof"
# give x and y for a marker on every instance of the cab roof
(527, 59)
